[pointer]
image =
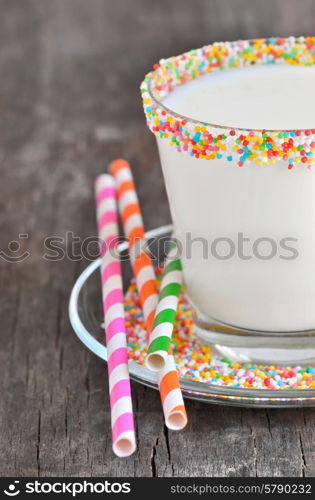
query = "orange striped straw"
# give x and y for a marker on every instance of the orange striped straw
(130, 212)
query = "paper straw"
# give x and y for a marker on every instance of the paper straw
(129, 208)
(171, 395)
(161, 335)
(131, 217)
(122, 421)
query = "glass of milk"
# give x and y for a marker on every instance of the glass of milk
(235, 128)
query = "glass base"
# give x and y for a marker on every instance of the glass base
(240, 344)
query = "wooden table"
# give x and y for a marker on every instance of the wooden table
(69, 103)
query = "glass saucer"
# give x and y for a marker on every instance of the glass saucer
(85, 312)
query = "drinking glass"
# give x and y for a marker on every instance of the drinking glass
(242, 202)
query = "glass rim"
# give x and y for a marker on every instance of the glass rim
(160, 103)
(206, 140)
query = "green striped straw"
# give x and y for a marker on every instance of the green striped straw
(161, 335)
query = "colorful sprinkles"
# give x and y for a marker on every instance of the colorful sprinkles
(195, 361)
(211, 142)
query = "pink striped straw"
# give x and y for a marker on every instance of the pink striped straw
(123, 432)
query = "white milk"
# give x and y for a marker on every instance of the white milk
(217, 199)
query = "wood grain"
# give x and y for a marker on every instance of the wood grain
(69, 103)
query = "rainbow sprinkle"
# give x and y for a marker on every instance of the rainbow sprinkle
(210, 142)
(195, 362)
